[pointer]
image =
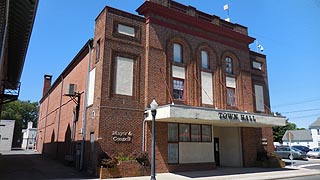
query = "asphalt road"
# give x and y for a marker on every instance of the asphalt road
(31, 165)
(308, 163)
(305, 178)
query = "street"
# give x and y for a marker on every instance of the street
(22, 164)
(309, 163)
(305, 178)
(27, 164)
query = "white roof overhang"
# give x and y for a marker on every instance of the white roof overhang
(217, 117)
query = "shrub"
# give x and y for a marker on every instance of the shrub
(109, 162)
(141, 157)
(123, 157)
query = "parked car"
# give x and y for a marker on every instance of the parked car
(302, 148)
(315, 153)
(284, 152)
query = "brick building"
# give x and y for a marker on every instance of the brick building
(212, 92)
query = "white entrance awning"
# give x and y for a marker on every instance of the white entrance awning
(202, 115)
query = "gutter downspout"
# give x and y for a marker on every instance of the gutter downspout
(45, 125)
(145, 114)
(85, 102)
(59, 115)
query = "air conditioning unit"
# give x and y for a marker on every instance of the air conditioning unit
(71, 90)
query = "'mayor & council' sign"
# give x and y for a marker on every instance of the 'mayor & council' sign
(121, 136)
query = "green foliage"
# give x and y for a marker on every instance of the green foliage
(123, 157)
(279, 131)
(22, 112)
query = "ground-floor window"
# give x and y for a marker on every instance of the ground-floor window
(185, 133)
(173, 153)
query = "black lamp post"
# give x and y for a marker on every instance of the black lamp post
(153, 106)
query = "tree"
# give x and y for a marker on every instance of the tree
(279, 131)
(22, 112)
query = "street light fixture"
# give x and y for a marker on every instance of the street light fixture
(153, 106)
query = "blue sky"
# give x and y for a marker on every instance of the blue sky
(289, 31)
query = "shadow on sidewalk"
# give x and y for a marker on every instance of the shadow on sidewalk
(222, 171)
(19, 164)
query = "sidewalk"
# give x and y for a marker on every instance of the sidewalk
(224, 173)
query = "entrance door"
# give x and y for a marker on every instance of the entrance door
(216, 151)
(91, 158)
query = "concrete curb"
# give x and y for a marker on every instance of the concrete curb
(294, 172)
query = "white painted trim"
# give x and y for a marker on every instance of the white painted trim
(190, 114)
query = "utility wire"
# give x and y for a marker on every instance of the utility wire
(297, 102)
(304, 110)
(299, 117)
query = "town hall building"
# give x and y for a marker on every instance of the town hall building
(212, 91)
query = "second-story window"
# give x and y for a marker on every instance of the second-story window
(204, 59)
(178, 83)
(231, 100)
(177, 53)
(124, 68)
(231, 91)
(229, 67)
(178, 86)
(98, 51)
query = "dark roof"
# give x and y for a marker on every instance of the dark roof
(298, 135)
(74, 62)
(16, 23)
(315, 124)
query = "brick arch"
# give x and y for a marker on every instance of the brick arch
(235, 61)
(213, 57)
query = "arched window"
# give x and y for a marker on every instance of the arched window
(177, 53)
(204, 59)
(229, 67)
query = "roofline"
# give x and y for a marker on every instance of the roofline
(122, 13)
(82, 53)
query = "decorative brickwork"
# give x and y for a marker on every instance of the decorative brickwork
(114, 122)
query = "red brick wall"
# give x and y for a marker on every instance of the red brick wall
(250, 141)
(152, 52)
(53, 120)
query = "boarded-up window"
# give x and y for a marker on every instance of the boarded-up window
(259, 97)
(231, 82)
(178, 72)
(207, 89)
(92, 76)
(124, 76)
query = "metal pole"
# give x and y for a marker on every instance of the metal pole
(291, 156)
(153, 176)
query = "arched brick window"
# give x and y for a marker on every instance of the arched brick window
(177, 53)
(229, 65)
